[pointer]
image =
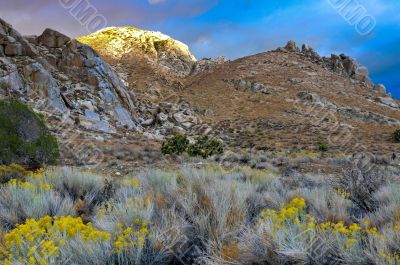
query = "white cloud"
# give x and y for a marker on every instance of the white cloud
(155, 2)
(204, 40)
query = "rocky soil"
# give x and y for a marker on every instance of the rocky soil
(293, 99)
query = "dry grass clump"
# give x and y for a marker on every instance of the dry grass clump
(201, 215)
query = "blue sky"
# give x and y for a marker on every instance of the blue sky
(238, 28)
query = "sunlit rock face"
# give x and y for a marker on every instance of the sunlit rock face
(59, 75)
(160, 49)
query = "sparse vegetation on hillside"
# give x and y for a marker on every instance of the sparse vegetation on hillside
(322, 147)
(207, 215)
(396, 136)
(175, 146)
(204, 146)
(24, 137)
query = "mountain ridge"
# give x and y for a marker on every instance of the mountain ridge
(282, 100)
(288, 80)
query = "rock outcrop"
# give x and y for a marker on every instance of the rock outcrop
(118, 42)
(388, 101)
(291, 46)
(340, 64)
(379, 88)
(172, 118)
(352, 113)
(60, 75)
(207, 64)
(346, 66)
(250, 86)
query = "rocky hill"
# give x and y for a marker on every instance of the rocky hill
(287, 99)
(161, 50)
(149, 87)
(294, 99)
(86, 102)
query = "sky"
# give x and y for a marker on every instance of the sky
(370, 32)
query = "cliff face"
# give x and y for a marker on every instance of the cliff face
(161, 50)
(54, 73)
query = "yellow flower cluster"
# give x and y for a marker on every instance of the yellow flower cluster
(40, 241)
(293, 214)
(390, 258)
(72, 227)
(37, 181)
(344, 193)
(129, 237)
(13, 168)
(339, 228)
(288, 213)
(351, 234)
(38, 174)
(133, 182)
(28, 185)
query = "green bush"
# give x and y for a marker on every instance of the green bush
(175, 146)
(25, 139)
(323, 147)
(396, 136)
(205, 147)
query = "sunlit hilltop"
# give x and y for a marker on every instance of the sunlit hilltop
(118, 42)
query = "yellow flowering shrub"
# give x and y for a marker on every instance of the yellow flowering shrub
(390, 258)
(29, 185)
(293, 214)
(345, 194)
(133, 182)
(14, 171)
(35, 181)
(38, 174)
(129, 237)
(13, 168)
(288, 213)
(39, 242)
(305, 153)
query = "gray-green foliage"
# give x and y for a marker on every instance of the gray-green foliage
(212, 215)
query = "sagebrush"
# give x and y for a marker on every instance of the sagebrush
(202, 215)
